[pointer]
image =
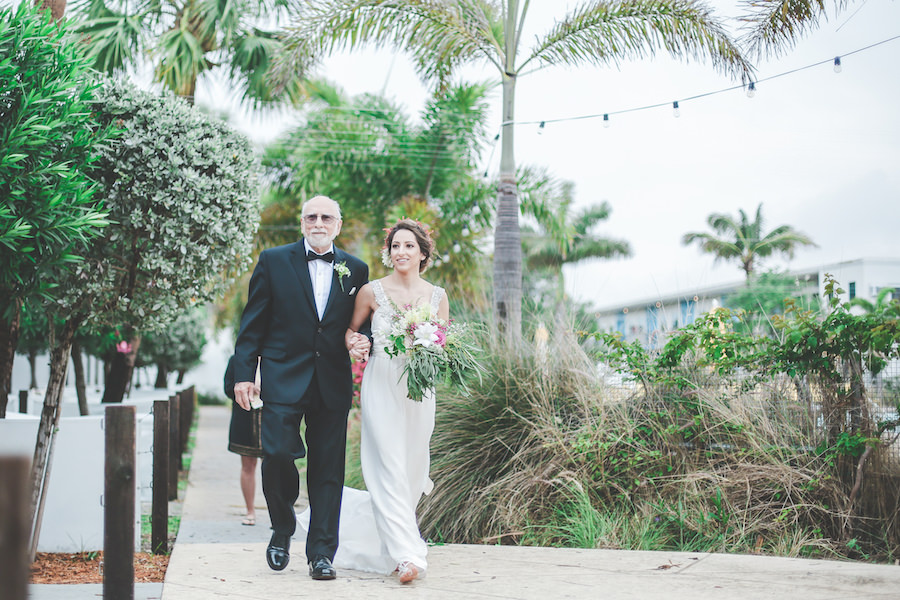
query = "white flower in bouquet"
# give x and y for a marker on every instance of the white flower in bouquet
(433, 350)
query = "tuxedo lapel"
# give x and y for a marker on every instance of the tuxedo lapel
(298, 260)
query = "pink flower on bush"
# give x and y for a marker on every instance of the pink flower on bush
(123, 347)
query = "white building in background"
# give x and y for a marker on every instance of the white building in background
(651, 319)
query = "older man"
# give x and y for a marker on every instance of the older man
(300, 302)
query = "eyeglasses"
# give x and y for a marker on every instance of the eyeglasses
(326, 219)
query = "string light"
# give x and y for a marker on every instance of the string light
(836, 61)
(541, 127)
(675, 110)
(606, 121)
(751, 90)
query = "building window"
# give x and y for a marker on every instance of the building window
(852, 288)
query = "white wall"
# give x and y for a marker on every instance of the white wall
(73, 513)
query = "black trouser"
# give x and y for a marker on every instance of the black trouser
(326, 441)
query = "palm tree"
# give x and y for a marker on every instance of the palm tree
(562, 236)
(775, 25)
(743, 240)
(184, 39)
(442, 35)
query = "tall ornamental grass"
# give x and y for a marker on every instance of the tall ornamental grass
(682, 456)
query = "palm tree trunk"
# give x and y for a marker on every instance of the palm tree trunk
(507, 238)
(57, 8)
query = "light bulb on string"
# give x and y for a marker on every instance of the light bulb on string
(457, 248)
(465, 232)
(606, 121)
(751, 90)
(541, 128)
(675, 110)
(837, 64)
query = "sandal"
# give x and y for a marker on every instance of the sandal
(408, 572)
(248, 520)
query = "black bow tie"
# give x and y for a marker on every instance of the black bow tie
(327, 257)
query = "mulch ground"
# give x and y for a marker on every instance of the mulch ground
(87, 567)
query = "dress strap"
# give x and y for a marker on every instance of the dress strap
(380, 297)
(436, 296)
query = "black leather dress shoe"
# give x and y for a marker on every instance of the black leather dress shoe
(320, 568)
(278, 553)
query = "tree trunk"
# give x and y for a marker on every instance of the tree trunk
(507, 237)
(9, 339)
(32, 366)
(80, 384)
(859, 402)
(43, 448)
(162, 377)
(120, 370)
(57, 8)
(180, 379)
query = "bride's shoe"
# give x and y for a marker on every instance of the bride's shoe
(407, 571)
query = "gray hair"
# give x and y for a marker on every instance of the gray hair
(337, 206)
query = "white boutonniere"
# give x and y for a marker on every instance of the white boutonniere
(343, 271)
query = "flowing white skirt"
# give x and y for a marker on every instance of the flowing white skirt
(378, 529)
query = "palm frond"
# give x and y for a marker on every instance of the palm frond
(774, 26)
(114, 41)
(438, 34)
(589, 216)
(713, 245)
(607, 32)
(181, 60)
(784, 240)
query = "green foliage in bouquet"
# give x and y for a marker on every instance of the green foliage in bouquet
(434, 350)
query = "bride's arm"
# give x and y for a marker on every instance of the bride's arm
(362, 310)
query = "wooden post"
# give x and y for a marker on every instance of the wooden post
(14, 526)
(174, 446)
(119, 497)
(23, 402)
(159, 512)
(187, 405)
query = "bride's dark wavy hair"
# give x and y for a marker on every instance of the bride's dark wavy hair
(422, 235)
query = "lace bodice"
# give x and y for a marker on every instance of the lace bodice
(381, 319)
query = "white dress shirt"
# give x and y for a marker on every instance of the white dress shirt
(321, 274)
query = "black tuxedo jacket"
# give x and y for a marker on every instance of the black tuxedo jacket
(280, 324)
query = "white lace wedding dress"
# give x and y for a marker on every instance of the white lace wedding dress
(378, 528)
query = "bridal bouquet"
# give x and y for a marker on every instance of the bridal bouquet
(434, 350)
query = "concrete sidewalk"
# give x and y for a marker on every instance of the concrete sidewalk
(216, 557)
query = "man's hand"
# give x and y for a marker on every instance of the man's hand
(360, 347)
(243, 391)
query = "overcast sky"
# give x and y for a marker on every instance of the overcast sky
(820, 150)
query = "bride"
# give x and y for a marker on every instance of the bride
(378, 530)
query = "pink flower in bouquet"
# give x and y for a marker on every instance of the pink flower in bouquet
(441, 338)
(123, 347)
